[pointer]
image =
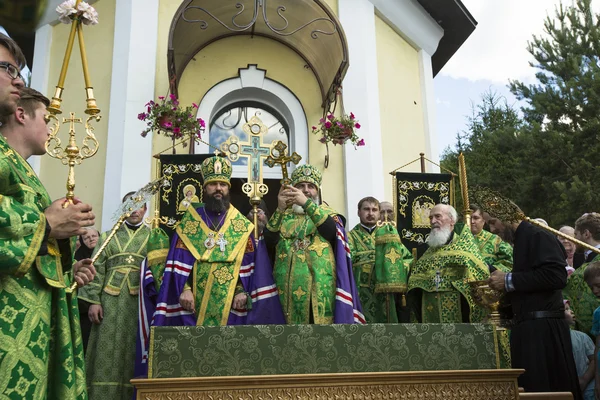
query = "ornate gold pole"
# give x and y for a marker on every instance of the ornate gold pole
(562, 235)
(462, 171)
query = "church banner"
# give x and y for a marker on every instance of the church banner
(415, 194)
(184, 186)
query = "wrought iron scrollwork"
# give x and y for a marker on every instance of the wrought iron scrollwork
(260, 4)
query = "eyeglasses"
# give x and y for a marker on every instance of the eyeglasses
(11, 70)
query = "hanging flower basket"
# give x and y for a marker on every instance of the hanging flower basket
(167, 118)
(339, 130)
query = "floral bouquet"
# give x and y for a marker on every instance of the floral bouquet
(67, 12)
(168, 118)
(339, 130)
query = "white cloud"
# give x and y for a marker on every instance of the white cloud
(497, 49)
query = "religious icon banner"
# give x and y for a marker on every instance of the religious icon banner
(415, 194)
(184, 186)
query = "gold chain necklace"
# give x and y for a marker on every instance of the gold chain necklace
(214, 227)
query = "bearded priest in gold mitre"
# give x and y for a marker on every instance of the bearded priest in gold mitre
(312, 266)
(439, 280)
(216, 273)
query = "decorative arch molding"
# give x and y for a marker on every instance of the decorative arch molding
(253, 85)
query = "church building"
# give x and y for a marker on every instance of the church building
(289, 62)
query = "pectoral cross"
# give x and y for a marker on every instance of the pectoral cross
(279, 156)
(222, 242)
(437, 280)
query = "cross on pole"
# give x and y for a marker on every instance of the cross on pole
(72, 121)
(279, 156)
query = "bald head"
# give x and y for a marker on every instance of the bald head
(386, 210)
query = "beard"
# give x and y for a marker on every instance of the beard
(216, 205)
(439, 237)
(300, 210)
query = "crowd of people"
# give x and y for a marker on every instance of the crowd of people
(303, 267)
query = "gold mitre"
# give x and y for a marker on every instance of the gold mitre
(307, 173)
(496, 204)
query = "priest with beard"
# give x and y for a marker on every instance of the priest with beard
(540, 341)
(438, 285)
(313, 269)
(216, 273)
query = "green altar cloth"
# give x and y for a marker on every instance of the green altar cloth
(194, 351)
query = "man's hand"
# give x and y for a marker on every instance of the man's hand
(295, 196)
(84, 272)
(96, 314)
(69, 221)
(496, 280)
(282, 198)
(239, 301)
(187, 300)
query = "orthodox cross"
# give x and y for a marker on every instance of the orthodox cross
(279, 156)
(72, 121)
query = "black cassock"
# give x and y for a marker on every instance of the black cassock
(540, 341)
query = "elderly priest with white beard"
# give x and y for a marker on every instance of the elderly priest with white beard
(438, 285)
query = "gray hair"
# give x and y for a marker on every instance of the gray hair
(452, 213)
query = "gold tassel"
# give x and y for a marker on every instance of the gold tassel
(403, 300)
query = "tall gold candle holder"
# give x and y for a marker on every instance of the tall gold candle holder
(72, 154)
(464, 189)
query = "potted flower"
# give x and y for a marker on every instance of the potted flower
(166, 117)
(338, 130)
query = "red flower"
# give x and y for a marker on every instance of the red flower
(194, 105)
(330, 117)
(142, 116)
(361, 142)
(339, 124)
(322, 120)
(327, 124)
(357, 125)
(161, 97)
(352, 116)
(202, 123)
(176, 130)
(314, 128)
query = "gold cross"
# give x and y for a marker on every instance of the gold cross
(72, 122)
(299, 292)
(279, 156)
(318, 246)
(129, 260)
(393, 255)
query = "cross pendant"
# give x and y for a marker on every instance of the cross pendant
(437, 280)
(222, 242)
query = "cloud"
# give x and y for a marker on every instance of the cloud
(441, 102)
(497, 49)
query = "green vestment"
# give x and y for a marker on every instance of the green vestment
(377, 281)
(582, 300)
(41, 352)
(443, 272)
(215, 277)
(495, 251)
(304, 271)
(110, 357)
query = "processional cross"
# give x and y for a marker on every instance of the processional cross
(279, 156)
(254, 150)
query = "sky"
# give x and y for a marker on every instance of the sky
(494, 53)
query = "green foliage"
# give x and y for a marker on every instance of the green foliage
(545, 160)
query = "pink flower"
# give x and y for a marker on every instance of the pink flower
(194, 105)
(339, 124)
(351, 116)
(176, 130)
(323, 139)
(314, 128)
(202, 123)
(172, 96)
(361, 142)
(327, 124)
(142, 116)
(322, 120)
(357, 125)
(166, 124)
(161, 97)
(330, 117)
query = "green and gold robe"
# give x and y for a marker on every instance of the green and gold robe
(443, 272)
(494, 250)
(110, 357)
(304, 266)
(375, 287)
(41, 352)
(581, 299)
